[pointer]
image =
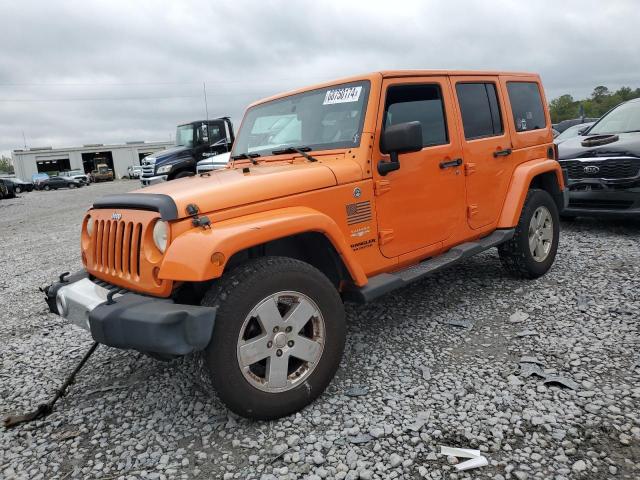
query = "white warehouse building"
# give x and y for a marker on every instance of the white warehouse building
(53, 160)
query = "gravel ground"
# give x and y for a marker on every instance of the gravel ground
(439, 363)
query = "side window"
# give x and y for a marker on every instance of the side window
(408, 103)
(526, 105)
(215, 133)
(480, 110)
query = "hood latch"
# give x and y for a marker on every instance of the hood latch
(198, 221)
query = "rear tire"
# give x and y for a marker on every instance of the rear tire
(531, 251)
(270, 380)
(46, 187)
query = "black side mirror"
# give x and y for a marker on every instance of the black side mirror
(401, 138)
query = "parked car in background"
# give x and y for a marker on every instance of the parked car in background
(564, 124)
(37, 178)
(9, 186)
(571, 132)
(78, 175)
(213, 163)
(54, 183)
(134, 171)
(603, 166)
(195, 141)
(20, 185)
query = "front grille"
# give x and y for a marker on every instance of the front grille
(600, 204)
(117, 246)
(148, 168)
(612, 168)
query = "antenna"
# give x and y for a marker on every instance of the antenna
(24, 140)
(206, 107)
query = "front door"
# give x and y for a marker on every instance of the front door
(486, 147)
(423, 202)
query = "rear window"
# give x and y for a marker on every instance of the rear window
(526, 106)
(480, 110)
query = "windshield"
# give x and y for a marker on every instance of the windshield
(184, 135)
(623, 118)
(321, 119)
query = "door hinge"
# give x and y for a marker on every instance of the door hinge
(469, 168)
(385, 236)
(472, 210)
(382, 186)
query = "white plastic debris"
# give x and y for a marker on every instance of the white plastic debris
(459, 452)
(476, 460)
(472, 463)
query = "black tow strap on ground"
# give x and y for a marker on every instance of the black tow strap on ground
(45, 409)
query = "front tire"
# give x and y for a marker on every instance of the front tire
(46, 187)
(18, 190)
(532, 250)
(278, 337)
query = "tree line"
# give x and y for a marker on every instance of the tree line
(5, 165)
(600, 102)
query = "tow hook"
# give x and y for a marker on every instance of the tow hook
(45, 409)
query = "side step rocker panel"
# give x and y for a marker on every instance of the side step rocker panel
(387, 282)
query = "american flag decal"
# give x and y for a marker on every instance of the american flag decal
(358, 212)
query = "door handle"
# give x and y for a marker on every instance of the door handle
(451, 163)
(502, 153)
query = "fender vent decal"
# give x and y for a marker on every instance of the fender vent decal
(358, 212)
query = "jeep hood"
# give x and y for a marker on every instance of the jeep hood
(627, 145)
(222, 189)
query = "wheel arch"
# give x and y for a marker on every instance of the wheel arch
(297, 232)
(543, 174)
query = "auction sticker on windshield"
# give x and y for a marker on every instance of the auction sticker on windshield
(342, 95)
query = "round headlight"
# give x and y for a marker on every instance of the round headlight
(160, 234)
(90, 226)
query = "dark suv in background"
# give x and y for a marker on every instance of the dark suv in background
(603, 165)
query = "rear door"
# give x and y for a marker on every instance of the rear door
(423, 202)
(486, 147)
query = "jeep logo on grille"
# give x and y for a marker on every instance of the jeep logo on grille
(116, 216)
(591, 169)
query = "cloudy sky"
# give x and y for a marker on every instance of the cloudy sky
(75, 72)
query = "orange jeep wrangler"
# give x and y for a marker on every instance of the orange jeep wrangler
(341, 191)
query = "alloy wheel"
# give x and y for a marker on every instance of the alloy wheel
(281, 341)
(540, 234)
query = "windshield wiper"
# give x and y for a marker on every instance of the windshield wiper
(631, 131)
(301, 150)
(248, 156)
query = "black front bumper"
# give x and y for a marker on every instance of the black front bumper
(602, 198)
(131, 321)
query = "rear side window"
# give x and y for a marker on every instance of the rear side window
(526, 106)
(423, 103)
(480, 110)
